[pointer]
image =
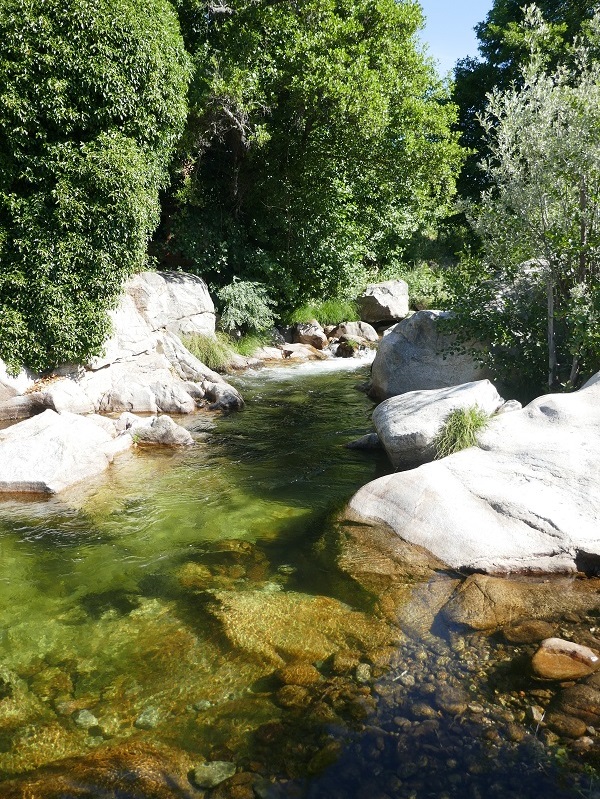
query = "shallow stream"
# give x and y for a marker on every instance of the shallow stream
(156, 603)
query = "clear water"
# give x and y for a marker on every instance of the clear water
(105, 638)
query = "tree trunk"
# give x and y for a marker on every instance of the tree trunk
(552, 365)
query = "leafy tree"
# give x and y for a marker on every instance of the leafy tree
(539, 221)
(504, 50)
(92, 100)
(318, 141)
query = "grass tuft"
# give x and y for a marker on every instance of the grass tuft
(460, 430)
(328, 312)
(214, 351)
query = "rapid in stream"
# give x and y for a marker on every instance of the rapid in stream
(190, 599)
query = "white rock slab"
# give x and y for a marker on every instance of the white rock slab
(526, 499)
(51, 451)
(408, 424)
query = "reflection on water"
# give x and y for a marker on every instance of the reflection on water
(171, 601)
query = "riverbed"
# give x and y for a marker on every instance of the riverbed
(158, 604)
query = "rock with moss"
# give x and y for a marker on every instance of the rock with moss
(408, 425)
(282, 626)
(527, 498)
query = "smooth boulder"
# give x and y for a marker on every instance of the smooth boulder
(51, 451)
(407, 425)
(526, 499)
(416, 354)
(357, 330)
(384, 302)
(557, 659)
(158, 430)
(310, 333)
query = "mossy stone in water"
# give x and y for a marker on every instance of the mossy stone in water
(274, 626)
(208, 775)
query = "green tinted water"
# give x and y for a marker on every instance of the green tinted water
(95, 614)
(153, 605)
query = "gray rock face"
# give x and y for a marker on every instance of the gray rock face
(11, 386)
(407, 425)
(528, 498)
(175, 301)
(359, 330)
(145, 367)
(160, 430)
(413, 356)
(384, 302)
(52, 451)
(310, 333)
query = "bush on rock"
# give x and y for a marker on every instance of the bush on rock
(92, 99)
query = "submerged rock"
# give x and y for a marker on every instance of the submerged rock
(557, 659)
(52, 451)
(527, 498)
(416, 355)
(208, 775)
(275, 627)
(483, 602)
(131, 771)
(408, 425)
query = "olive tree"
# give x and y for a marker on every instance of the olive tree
(543, 206)
(92, 101)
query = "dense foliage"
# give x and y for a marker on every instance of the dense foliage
(504, 50)
(92, 101)
(318, 142)
(536, 293)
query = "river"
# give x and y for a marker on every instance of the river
(131, 610)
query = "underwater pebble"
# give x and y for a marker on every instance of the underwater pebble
(210, 774)
(85, 719)
(149, 718)
(363, 672)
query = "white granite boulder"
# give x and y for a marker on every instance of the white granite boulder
(157, 430)
(52, 451)
(526, 499)
(357, 330)
(174, 301)
(408, 424)
(416, 355)
(384, 302)
(310, 333)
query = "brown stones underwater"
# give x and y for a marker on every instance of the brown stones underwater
(192, 623)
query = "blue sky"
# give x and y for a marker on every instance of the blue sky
(449, 28)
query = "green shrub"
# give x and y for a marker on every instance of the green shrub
(214, 351)
(92, 101)
(248, 344)
(246, 306)
(460, 430)
(328, 312)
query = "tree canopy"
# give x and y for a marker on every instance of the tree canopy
(537, 292)
(92, 101)
(504, 50)
(318, 142)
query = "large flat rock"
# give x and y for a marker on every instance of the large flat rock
(526, 499)
(51, 451)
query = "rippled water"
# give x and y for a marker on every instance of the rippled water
(108, 634)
